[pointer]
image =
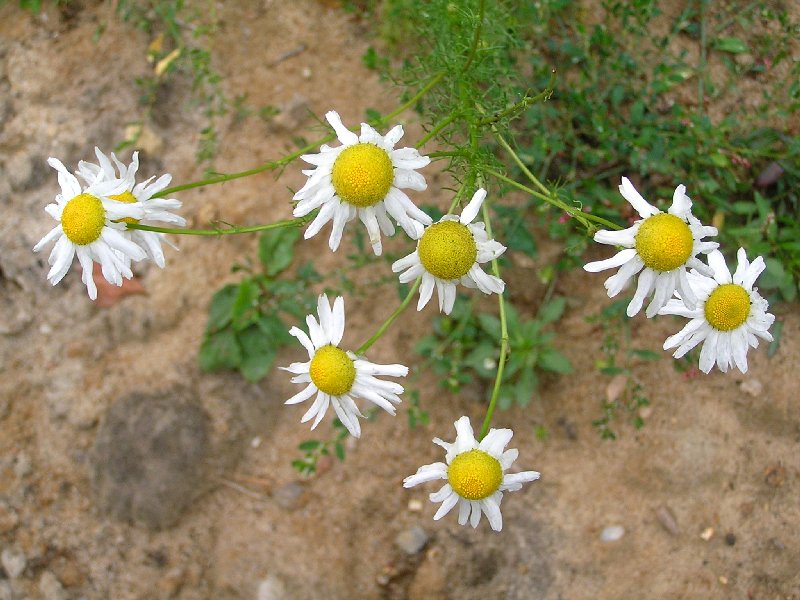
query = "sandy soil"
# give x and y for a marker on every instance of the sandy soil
(720, 453)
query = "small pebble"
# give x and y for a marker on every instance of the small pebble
(271, 588)
(707, 534)
(730, 539)
(288, 496)
(723, 580)
(23, 465)
(411, 541)
(612, 533)
(667, 520)
(751, 387)
(14, 562)
(51, 587)
(415, 505)
(255, 442)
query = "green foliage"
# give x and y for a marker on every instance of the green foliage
(622, 391)
(314, 449)
(465, 346)
(632, 98)
(245, 325)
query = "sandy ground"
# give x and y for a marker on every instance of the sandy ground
(719, 453)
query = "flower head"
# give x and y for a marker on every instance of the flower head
(729, 317)
(155, 209)
(661, 246)
(364, 178)
(91, 227)
(337, 376)
(475, 473)
(451, 252)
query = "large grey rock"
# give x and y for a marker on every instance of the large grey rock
(148, 461)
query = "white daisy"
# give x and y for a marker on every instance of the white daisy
(337, 376)
(661, 246)
(363, 177)
(89, 226)
(451, 252)
(475, 474)
(155, 209)
(729, 317)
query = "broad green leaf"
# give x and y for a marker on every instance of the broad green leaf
(276, 249)
(552, 360)
(553, 310)
(490, 325)
(220, 351)
(258, 353)
(525, 387)
(221, 308)
(243, 309)
(730, 44)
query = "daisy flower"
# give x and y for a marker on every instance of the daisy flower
(475, 473)
(155, 209)
(90, 226)
(337, 376)
(364, 178)
(661, 246)
(729, 317)
(451, 252)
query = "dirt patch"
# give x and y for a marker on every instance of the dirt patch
(718, 452)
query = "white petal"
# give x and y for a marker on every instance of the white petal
(681, 203)
(425, 290)
(426, 473)
(623, 237)
(619, 259)
(471, 210)
(447, 505)
(635, 198)
(303, 395)
(338, 321)
(646, 280)
(345, 136)
(495, 441)
(717, 263)
(491, 507)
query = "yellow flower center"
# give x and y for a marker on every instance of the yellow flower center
(664, 242)
(447, 250)
(728, 307)
(83, 219)
(362, 175)
(127, 198)
(332, 371)
(475, 475)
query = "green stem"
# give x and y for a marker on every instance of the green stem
(578, 214)
(475, 40)
(281, 162)
(501, 361)
(233, 229)
(522, 104)
(439, 126)
(397, 311)
(521, 165)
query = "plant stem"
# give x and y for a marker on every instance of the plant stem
(439, 126)
(578, 214)
(475, 40)
(397, 311)
(281, 162)
(501, 361)
(533, 179)
(233, 229)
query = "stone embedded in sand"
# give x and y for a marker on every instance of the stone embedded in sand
(148, 459)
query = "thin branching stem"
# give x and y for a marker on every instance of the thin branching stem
(501, 361)
(282, 162)
(581, 216)
(477, 38)
(387, 323)
(230, 230)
